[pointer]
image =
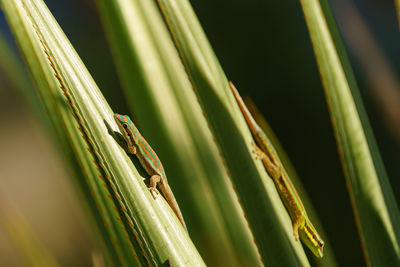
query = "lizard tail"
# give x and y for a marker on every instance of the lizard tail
(173, 204)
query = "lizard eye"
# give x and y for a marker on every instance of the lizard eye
(125, 126)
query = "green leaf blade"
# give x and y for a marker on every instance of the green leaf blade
(125, 210)
(376, 211)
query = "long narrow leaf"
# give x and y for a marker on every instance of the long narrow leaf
(374, 206)
(22, 25)
(136, 229)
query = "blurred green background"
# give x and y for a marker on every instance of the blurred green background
(265, 50)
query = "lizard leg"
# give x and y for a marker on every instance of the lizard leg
(153, 185)
(298, 224)
(131, 149)
(257, 151)
(273, 170)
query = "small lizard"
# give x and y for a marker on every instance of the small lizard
(137, 145)
(265, 151)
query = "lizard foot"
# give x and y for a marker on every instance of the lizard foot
(154, 192)
(296, 233)
(297, 225)
(255, 151)
(259, 154)
(154, 180)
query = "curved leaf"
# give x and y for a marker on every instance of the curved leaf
(377, 214)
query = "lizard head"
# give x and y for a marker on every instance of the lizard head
(313, 241)
(125, 126)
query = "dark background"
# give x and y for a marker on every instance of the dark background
(264, 48)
